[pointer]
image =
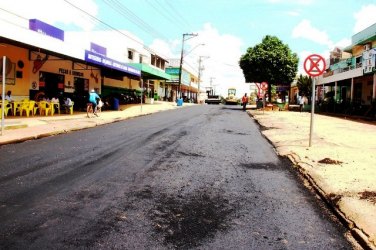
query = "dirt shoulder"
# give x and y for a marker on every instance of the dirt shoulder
(340, 164)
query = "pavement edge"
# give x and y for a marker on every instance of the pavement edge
(360, 236)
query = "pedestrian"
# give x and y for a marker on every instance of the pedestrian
(67, 104)
(244, 101)
(301, 102)
(8, 96)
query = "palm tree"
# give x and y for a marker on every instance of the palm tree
(304, 84)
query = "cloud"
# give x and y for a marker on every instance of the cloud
(305, 30)
(55, 12)
(165, 49)
(224, 52)
(343, 43)
(365, 17)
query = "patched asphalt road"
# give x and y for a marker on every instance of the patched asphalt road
(198, 177)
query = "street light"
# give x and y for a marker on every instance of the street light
(199, 72)
(189, 36)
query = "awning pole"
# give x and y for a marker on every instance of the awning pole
(3, 96)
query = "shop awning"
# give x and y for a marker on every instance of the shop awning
(150, 72)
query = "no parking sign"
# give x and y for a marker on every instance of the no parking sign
(314, 65)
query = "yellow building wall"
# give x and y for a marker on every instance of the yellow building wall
(114, 83)
(22, 86)
(30, 81)
(17, 56)
(134, 84)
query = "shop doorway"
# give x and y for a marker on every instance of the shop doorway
(81, 93)
(52, 85)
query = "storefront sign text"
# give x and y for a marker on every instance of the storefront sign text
(70, 72)
(110, 63)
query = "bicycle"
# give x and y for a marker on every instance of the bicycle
(90, 110)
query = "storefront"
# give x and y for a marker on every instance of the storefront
(154, 81)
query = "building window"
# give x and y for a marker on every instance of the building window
(130, 54)
(153, 59)
(140, 59)
(358, 61)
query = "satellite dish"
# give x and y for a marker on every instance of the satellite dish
(8, 66)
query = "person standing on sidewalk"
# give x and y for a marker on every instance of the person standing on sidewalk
(244, 101)
(301, 102)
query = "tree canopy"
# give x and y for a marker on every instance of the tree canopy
(304, 84)
(270, 61)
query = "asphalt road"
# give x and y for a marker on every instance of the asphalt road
(198, 177)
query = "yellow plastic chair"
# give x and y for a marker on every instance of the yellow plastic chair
(53, 106)
(36, 108)
(7, 107)
(28, 107)
(71, 109)
(45, 108)
(17, 107)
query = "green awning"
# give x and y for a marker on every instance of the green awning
(151, 73)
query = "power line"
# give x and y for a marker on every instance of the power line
(131, 16)
(113, 28)
(167, 14)
(99, 21)
(178, 14)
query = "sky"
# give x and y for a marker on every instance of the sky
(225, 27)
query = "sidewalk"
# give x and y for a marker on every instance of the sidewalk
(18, 129)
(340, 164)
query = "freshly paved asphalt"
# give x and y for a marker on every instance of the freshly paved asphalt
(348, 184)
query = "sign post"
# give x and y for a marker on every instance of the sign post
(3, 94)
(314, 65)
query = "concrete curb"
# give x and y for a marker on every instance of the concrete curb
(360, 236)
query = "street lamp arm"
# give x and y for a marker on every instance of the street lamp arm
(190, 35)
(201, 44)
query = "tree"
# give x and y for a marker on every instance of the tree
(270, 61)
(304, 84)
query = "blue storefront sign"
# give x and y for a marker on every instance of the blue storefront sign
(46, 29)
(172, 71)
(110, 63)
(98, 49)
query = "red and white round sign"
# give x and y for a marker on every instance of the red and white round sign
(264, 85)
(314, 65)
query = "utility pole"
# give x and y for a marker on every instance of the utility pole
(190, 35)
(211, 85)
(199, 72)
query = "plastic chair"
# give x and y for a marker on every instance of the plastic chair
(45, 108)
(17, 107)
(53, 106)
(28, 107)
(7, 107)
(36, 108)
(71, 109)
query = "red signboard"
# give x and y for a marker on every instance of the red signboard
(314, 65)
(264, 85)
